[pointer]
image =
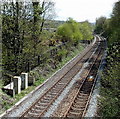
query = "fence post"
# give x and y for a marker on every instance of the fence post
(38, 60)
(28, 65)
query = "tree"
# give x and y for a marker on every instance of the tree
(70, 32)
(22, 24)
(48, 12)
(86, 30)
(11, 31)
(115, 23)
(99, 25)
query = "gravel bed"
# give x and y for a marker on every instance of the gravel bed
(27, 101)
(63, 94)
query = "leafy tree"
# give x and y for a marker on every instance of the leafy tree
(69, 31)
(64, 32)
(22, 24)
(115, 23)
(100, 25)
(86, 30)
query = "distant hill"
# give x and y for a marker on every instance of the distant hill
(52, 23)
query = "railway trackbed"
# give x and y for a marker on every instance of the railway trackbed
(79, 104)
(75, 104)
(41, 105)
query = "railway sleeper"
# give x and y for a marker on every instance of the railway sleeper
(55, 92)
(46, 99)
(74, 114)
(39, 107)
(72, 117)
(56, 89)
(86, 91)
(82, 105)
(51, 93)
(77, 109)
(49, 96)
(36, 110)
(83, 94)
(81, 100)
(82, 97)
(61, 83)
(87, 87)
(32, 114)
(43, 104)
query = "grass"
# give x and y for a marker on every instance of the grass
(41, 79)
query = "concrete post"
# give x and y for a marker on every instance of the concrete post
(31, 80)
(24, 80)
(17, 84)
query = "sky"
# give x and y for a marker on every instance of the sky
(81, 10)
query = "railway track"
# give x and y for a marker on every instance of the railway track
(80, 102)
(41, 105)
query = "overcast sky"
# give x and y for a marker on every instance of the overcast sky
(81, 10)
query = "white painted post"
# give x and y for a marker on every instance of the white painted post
(24, 79)
(17, 84)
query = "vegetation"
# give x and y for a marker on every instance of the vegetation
(22, 26)
(110, 28)
(74, 32)
(109, 101)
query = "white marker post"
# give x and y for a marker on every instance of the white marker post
(24, 80)
(17, 84)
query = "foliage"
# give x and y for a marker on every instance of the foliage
(73, 32)
(86, 30)
(64, 32)
(100, 25)
(69, 31)
(22, 32)
(109, 101)
(110, 90)
(110, 28)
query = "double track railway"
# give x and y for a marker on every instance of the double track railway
(80, 102)
(78, 105)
